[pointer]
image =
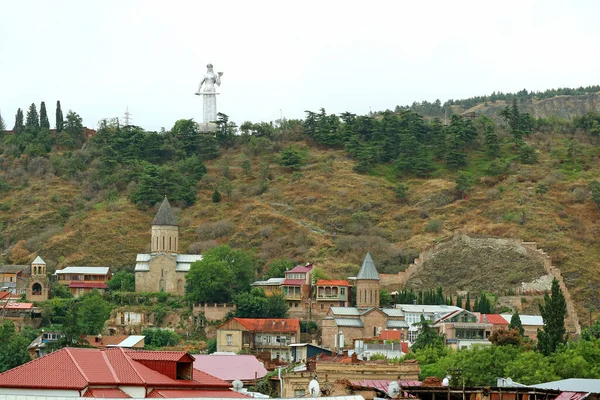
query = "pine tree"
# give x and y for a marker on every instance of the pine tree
(59, 118)
(33, 118)
(492, 144)
(19, 126)
(44, 122)
(515, 323)
(2, 125)
(553, 312)
(216, 196)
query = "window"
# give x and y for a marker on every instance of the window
(229, 340)
(322, 306)
(299, 393)
(343, 291)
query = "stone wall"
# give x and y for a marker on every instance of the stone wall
(213, 312)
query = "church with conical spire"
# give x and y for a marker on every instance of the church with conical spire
(164, 269)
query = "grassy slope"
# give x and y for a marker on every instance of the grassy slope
(310, 219)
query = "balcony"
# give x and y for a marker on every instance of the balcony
(334, 297)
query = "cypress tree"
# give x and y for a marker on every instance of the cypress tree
(33, 118)
(44, 122)
(468, 302)
(553, 312)
(515, 323)
(459, 302)
(19, 126)
(59, 118)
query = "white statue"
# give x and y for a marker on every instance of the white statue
(210, 96)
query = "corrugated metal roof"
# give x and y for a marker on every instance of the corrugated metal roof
(230, 367)
(143, 257)
(393, 312)
(494, 319)
(293, 282)
(345, 311)
(12, 269)
(325, 282)
(270, 324)
(349, 322)
(301, 269)
(421, 308)
(19, 306)
(83, 270)
(87, 285)
(106, 393)
(572, 385)
(188, 258)
(269, 282)
(130, 341)
(165, 215)
(367, 269)
(198, 394)
(396, 324)
(382, 384)
(530, 320)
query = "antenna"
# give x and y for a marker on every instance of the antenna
(127, 117)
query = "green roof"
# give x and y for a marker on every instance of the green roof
(165, 215)
(368, 270)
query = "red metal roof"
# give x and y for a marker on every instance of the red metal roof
(86, 285)
(229, 368)
(19, 306)
(494, 319)
(325, 282)
(111, 393)
(293, 282)
(78, 368)
(4, 294)
(301, 269)
(571, 395)
(219, 394)
(270, 324)
(382, 384)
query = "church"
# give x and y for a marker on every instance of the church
(164, 269)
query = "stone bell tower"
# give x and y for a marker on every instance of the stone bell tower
(38, 284)
(367, 284)
(165, 230)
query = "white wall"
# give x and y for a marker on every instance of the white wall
(30, 394)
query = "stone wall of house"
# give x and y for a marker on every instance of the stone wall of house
(213, 311)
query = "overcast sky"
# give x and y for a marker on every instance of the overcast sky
(99, 57)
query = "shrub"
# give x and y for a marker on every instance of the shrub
(580, 194)
(434, 226)
(223, 228)
(528, 155)
(216, 196)
(492, 194)
(401, 192)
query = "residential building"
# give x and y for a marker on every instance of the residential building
(296, 288)
(367, 284)
(82, 280)
(124, 341)
(13, 278)
(390, 343)
(303, 351)
(331, 293)
(414, 312)
(462, 328)
(344, 324)
(271, 286)
(273, 335)
(530, 323)
(246, 368)
(113, 373)
(164, 269)
(39, 346)
(21, 314)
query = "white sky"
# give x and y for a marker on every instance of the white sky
(99, 57)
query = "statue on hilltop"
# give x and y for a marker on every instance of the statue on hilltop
(209, 98)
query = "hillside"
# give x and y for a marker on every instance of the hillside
(323, 212)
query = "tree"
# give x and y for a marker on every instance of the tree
(515, 323)
(44, 122)
(221, 273)
(255, 304)
(93, 312)
(401, 191)
(157, 338)
(527, 154)
(385, 299)
(541, 189)
(226, 131)
(468, 302)
(216, 196)
(291, 157)
(13, 347)
(61, 291)
(553, 312)
(2, 126)
(59, 118)
(33, 118)
(428, 336)
(492, 144)
(72, 136)
(463, 183)
(211, 345)
(594, 187)
(502, 337)
(122, 281)
(19, 124)
(277, 268)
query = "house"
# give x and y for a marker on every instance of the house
(390, 343)
(414, 312)
(39, 346)
(331, 293)
(296, 288)
(302, 351)
(273, 335)
(13, 278)
(82, 280)
(164, 269)
(246, 368)
(124, 341)
(21, 314)
(113, 373)
(344, 324)
(462, 328)
(530, 323)
(271, 286)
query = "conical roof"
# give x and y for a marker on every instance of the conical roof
(38, 261)
(165, 215)
(368, 270)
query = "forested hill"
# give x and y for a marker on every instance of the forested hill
(325, 189)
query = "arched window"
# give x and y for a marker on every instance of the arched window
(169, 244)
(163, 246)
(162, 285)
(371, 296)
(36, 289)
